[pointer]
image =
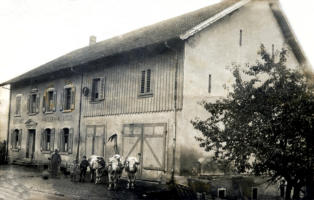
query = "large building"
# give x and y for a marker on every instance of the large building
(144, 86)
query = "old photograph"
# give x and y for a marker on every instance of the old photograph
(200, 100)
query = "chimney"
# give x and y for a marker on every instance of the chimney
(92, 40)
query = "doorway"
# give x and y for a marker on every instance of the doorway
(147, 142)
(30, 147)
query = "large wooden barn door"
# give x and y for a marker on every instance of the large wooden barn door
(95, 140)
(147, 142)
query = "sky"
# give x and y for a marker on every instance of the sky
(34, 32)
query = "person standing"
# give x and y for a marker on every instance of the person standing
(83, 167)
(55, 162)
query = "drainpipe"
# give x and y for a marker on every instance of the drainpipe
(79, 121)
(8, 132)
(175, 113)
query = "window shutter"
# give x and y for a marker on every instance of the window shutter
(12, 138)
(54, 101)
(70, 142)
(28, 104)
(44, 102)
(20, 138)
(52, 139)
(73, 98)
(148, 81)
(37, 103)
(62, 100)
(61, 140)
(102, 89)
(143, 82)
(42, 139)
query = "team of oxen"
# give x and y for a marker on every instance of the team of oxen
(113, 170)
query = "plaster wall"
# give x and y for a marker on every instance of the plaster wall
(211, 51)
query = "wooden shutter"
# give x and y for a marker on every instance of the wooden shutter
(70, 140)
(20, 138)
(12, 138)
(37, 102)
(44, 101)
(17, 105)
(142, 89)
(73, 98)
(52, 139)
(61, 140)
(148, 81)
(42, 139)
(102, 89)
(28, 104)
(54, 108)
(62, 100)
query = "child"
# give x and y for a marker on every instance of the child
(83, 167)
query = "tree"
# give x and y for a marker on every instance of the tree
(265, 124)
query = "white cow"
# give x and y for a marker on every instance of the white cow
(131, 165)
(97, 167)
(115, 168)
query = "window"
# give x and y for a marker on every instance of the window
(68, 98)
(254, 193)
(221, 193)
(209, 83)
(49, 100)
(16, 138)
(47, 140)
(18, 101)
(33, 102)
(65, 140)
(67, 104)
(145, 84)
(98, 91)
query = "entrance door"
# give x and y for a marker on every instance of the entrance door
(31, 144)
(147, 142)
(95, 140)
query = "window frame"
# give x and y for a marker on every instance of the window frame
(16, 138)
(72, 98)
(30, 103)
(69, 143)
(43, 141)
(143, 83)
(46, 104)
(100, 89)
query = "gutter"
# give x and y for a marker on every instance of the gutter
(175, 112)
(79, 117)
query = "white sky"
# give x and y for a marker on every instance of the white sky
(34, 32)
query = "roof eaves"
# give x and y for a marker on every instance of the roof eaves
(213, 19)
(288, 33)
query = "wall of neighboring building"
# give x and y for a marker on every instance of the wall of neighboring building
(4, 111)
(54, 120)
(211, 51)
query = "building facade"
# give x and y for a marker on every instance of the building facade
(145, 86)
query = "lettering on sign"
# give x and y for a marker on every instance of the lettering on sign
(57, 118)
(17, 121)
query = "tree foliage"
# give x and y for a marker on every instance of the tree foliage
(265, 124)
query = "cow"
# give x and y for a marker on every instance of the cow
(131, 165)
(97, 166)
(115, 168)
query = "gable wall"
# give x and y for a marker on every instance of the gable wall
(210, 52)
